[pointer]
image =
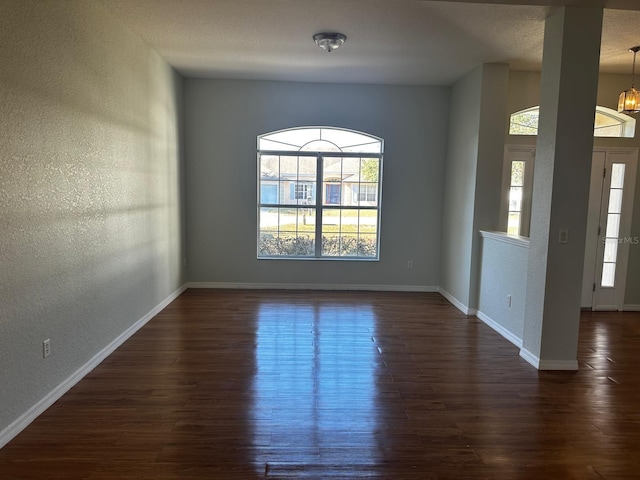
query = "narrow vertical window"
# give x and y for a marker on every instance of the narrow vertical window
(612, 230)
(516, 190)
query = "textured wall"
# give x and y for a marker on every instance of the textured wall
(486, 207)
(460, 186)
(503, 272)
(222, 121)
(90, 236)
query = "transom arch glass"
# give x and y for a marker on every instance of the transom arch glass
(608, 123)
(319, 192)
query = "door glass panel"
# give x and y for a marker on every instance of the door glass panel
(610, 250)
(612, 229)
(615, 201)
(608, 274)
(617, 175)
(613, 225)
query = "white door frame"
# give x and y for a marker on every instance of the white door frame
(594, 296)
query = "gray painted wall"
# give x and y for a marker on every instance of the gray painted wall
(524, 92)
(486, 211)
(90, 164)
(473, 176)
(460, 186)
(223, 119)
(503, 272)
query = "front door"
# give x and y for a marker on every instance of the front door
(613, 176)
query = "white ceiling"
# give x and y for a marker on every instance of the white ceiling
(388, 41)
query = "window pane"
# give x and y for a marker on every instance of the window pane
(367, 194)
(268, 192)
(608, 275)
(515, 199)
(617, 175)
(374, 147)
(289, 138)
(351, 168)
(524, 123)
(354, 141)
(513, 225)
(370, 170)
(269, 145)
(610, 250)
(602, 120)
(287, 231)
(613, 225)
(269, 175)
(331, 245)
(517, 173)
(614, 131)
(320, 146)
(615, 201)
(288, 168)
(349, 232)
(287, 244)
(368, 245)
(330, 221)
(368, 221)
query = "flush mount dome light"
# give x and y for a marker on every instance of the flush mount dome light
(329, 41)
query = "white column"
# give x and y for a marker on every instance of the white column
(561, 187)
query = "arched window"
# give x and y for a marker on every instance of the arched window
(319, 192)
(608, 123)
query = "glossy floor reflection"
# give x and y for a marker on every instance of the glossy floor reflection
(339, 385)
(316, 372)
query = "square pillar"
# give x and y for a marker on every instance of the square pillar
(561, 187)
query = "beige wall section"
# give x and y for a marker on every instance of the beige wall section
(524, 92)
(91, 235)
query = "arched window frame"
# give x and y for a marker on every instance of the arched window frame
(334, 221)
(529, 126)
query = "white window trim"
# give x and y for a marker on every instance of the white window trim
(627, 122)
(319, 206)
(527, 155)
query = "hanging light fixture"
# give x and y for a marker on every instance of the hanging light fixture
(329, 41)
(629, 100)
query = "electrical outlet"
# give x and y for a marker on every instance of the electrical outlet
(563, 235)
(410, 264)
(509, 301)
(46, 348)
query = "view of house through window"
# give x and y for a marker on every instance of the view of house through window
(319, 194)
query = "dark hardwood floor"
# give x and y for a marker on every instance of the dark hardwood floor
(349, 385)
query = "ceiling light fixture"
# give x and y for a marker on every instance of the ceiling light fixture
(629, 100)
(329, 41)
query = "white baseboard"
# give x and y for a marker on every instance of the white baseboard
(13, 429)
(548, 364)
(457, 303)
(312, 286)
(517, 341)
(631, 308)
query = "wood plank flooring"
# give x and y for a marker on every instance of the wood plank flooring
(339, 385)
